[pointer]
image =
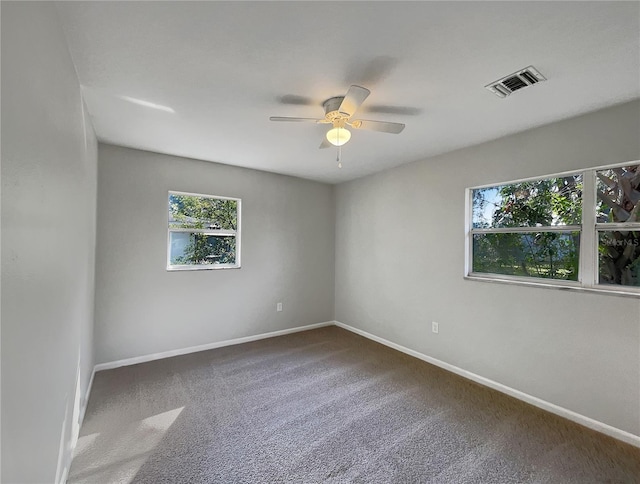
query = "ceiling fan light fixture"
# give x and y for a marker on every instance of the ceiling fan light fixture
(338, 136)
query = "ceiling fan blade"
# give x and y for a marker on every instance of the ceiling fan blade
(325, 144)
(382, 126)
(296, 100)
(401, 110)
(354, 98)
(296, 120)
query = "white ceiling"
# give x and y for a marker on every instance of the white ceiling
(225, 67)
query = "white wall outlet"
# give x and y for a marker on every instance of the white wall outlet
(279, 307)
(434, 327)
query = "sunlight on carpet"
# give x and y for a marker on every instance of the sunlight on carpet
(117, 454)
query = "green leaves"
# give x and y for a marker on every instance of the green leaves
(539, 203)
(204, 249)
(549, 255)
(194, 212)
(555, 201)
(619, 202)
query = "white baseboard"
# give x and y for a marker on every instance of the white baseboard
(208, 346)
(74, 438)
(65, 473)
(85, 402)
(525, 397)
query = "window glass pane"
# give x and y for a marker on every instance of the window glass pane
(201, 249)
(618, 194)
(552, 255)
(539, 203)
(194, 212)
(619, 257)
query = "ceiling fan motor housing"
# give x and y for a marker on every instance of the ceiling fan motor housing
(332, 109)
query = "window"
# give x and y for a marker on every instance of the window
(204, 232)
(576, 230)
(617, 225)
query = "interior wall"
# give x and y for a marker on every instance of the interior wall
(400, 265)
(287, 231)
(49, 170)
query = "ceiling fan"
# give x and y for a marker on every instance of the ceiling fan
(339, 112)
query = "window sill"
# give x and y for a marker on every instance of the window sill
(208, 267)
(562, 285)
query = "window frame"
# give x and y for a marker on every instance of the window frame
(216, 232)
(589, 230)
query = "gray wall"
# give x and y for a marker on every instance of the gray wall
(400, 265)
(49, 160)
(287, 255)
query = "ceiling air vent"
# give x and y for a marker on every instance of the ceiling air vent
(518, 80)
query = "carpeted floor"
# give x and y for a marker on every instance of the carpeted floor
(326, 406)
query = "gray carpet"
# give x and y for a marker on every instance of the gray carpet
(326, 406)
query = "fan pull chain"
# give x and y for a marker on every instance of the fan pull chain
(338, 157)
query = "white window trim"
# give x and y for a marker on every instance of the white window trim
(205, 267)
(588, 256)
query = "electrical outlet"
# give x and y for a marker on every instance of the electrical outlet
(279, 307)
(434, 327)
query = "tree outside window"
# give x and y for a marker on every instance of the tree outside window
(583, 228)
(203, 231)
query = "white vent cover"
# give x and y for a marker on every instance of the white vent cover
(518, 80)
